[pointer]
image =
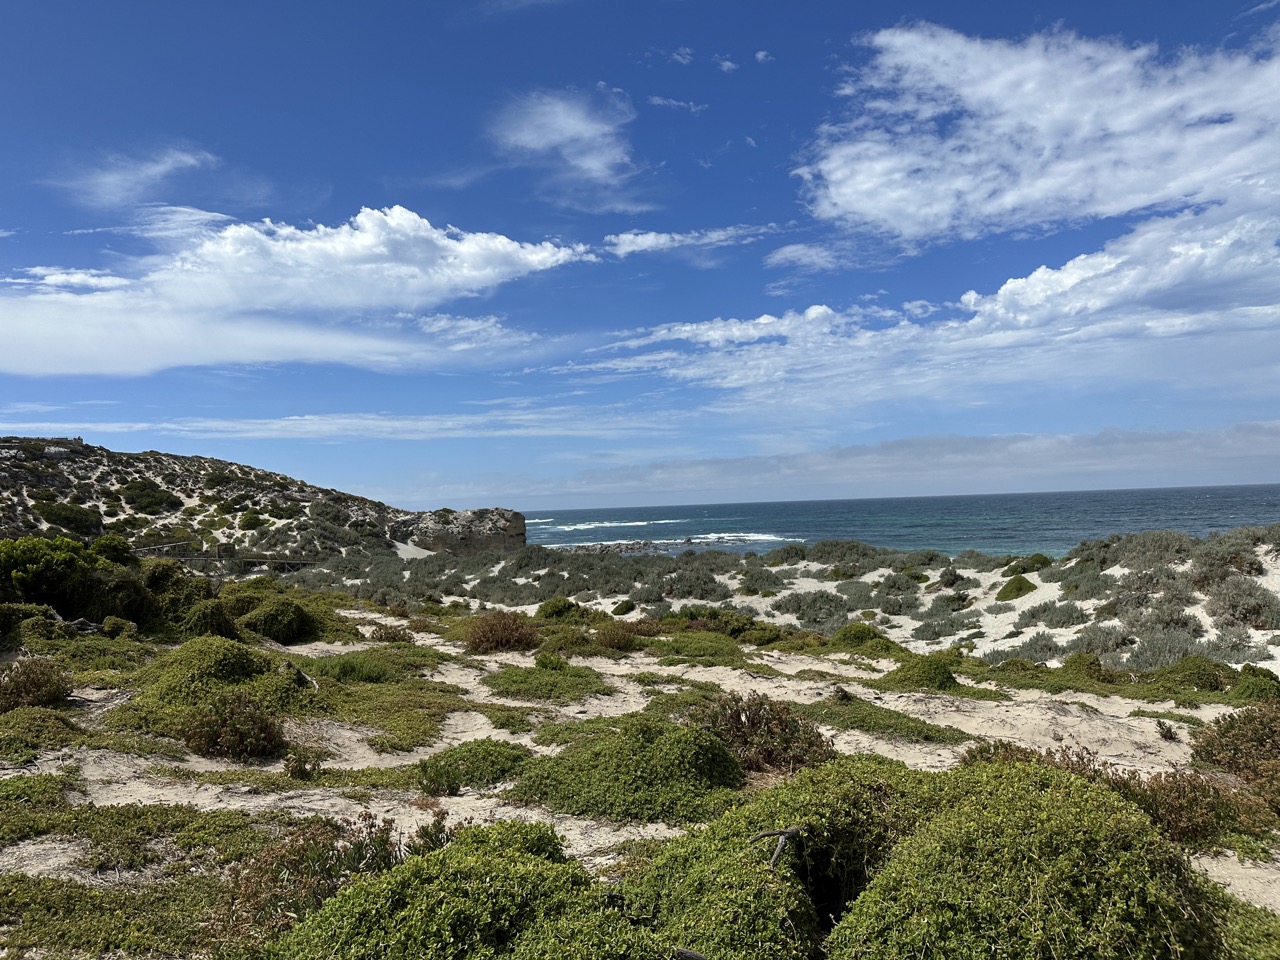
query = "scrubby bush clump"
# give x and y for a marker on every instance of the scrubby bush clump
(1247, 744)
(234, 725)
(505, 890)
(208, 681)
(477, 763)
(1029, 862)
(637, 767)
(762, 734)
(1015, 587)
(33, 682)
(491, 632)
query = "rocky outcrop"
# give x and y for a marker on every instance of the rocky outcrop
(462, 531)
(65, 486)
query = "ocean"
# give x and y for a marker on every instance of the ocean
(1013, 523)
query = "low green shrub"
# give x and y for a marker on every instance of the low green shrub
(1245, 743)
(1037, 561)
(281, 619)
(551, 678)
(762, 734)
(1029, 862)
(623, 607)
(209, 617)
(505, 890)
(234, 725)
(1014, 588)
(281, 885)
(491, 632)
(33, 682)
(25, 731)
(767, 878)
(476, 763)
(847, 712)
(636, 767)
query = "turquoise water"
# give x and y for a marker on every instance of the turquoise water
(1017, 523)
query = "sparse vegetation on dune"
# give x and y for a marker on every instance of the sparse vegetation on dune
(708, 691)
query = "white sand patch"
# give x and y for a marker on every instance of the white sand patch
(408, 551)
(1258, 883)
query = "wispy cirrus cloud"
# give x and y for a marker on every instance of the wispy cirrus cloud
(578, 143)
(805, 257)
(958, 464)
(272, 292)
(694, 108)
(534, 420)
(644, 241)
(123, 181)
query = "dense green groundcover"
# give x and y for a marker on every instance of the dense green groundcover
(861, 857)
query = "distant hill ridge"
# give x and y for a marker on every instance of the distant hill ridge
(66, 486)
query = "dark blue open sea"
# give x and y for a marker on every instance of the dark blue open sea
(1012, 523)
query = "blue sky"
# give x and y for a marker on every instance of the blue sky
(571, 253)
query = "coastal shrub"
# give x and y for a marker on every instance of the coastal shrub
(281, 619)
(1081, 580)
(285, 882)
(476, 763)
(1242, 602)
(1255, 684)
(85, 521)
(234, 725)
(1014, 588)
(551, 678)
(1099, 639)
(695, 584)
(623, 607)
(491, 632)
(12, 614)
(1188, 807)
(944, 605)
(1051, 866)
(1157, 649)
(947, 626)
(859, 593)
(1051, 614)
(812, 606)
(760, 581)
(921, 673)
(775, 870)
(558, 608)
(761, 733)
(867, 641)
(33, 682)
(848, 712)
(26, 731)
(536, 903)
(209, 617)
(791, 553)
(187, 680)
(637, 767)
(1037, 648)
(980, 562)
(1024, 565)
(1247, 744)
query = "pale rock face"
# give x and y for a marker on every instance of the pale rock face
(462, 531)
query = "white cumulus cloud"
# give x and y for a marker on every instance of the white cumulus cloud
(950, 136)
(273, 292)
